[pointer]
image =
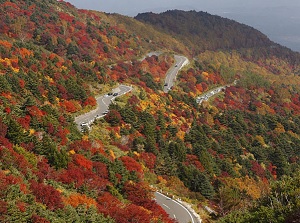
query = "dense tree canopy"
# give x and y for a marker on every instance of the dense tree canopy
(236, 152)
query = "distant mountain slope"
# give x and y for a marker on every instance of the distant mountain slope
(225, 152)
(210, 32)
(201, 32)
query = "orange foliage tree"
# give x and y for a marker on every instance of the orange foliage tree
(78, 199)
(80, 160)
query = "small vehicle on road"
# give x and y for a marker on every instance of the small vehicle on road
(115, 94)
(166, 84)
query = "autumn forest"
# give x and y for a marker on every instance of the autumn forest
(236, 153)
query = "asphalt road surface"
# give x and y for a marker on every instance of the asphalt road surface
(180, 61)
(207, 95)
(175, 209)
(102, 106)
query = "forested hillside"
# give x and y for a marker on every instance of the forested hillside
(209, 31)
(237, 152)
(201, 31)
(53, 60)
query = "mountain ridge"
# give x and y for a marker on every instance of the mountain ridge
(183, 24)
(213, 33)
(227, 151)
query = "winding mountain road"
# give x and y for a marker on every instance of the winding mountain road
(103, 103)
(175, 209)
(180, 62)
(205, 96)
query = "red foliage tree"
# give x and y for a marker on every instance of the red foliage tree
(158, 212)
(9, 157)
(25, 122)
(62, 135)
(141, 194)
(81, 161)
(84, 145)
(192, 159)
(63, 92)
(68, 105)
(272, 170)
(82, 176)
(204, 86)
(21, 83)
(133, 100)
(90, 101)
(100, 169)
(62, 120)
(257, 169)
(3, 128)
(73, 174)
(108, 204)
(131, 164)
(7, 110)
(138, 193)
(34, 111)
(149, 159)
(22, 206)
(44, 170)
(3, 209)
(113, 117)
(5, 143)
(199, 87)
(133, 213)
(47, 195)
(37, 219)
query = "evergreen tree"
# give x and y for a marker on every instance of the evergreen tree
(196, 181)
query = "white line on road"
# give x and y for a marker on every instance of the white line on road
(166, 206)
(104, 102)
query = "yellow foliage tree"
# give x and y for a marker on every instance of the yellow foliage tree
(261, 140)
(279, 128)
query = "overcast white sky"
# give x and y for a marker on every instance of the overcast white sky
(279, 19)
